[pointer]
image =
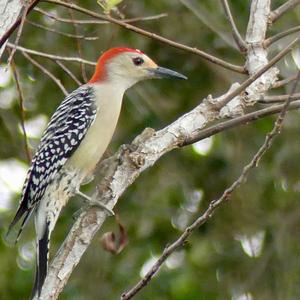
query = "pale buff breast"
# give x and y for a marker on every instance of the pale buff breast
(96, 140)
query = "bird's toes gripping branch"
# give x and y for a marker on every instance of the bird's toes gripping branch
(92, 202)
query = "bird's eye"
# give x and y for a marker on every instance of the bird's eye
(138, 61)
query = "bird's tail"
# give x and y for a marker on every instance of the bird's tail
(23, 213)
(42, 255)
(46, 217)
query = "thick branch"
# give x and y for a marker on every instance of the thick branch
(10, 18)
(26, 7)
(126, 166)
(215, 203)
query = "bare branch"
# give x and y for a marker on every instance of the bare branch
(78, 44)
(269, 41)
(242, 120)
(22, 111)
(51, 56)
(263, 70)
(152, 35)
(281, 10)
(87, 38)
(283, 82)
(68, 71)
(235, 32)
(130, 20)
(278, 98)
(215, 203)
(47, 72)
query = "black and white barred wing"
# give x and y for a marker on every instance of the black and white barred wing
(61, 138)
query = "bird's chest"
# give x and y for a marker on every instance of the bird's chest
(99, 134)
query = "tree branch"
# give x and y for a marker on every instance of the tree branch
(242, 120)
(47, 72)
(215, 203)
(269, 41)
(283, 82)
(125, 167)
(78, 45)
(152, 35)
(52, 56)
(68, 72)
(130, 20)
(22, 111)
(235, 32)
(127, 164)
(281, 10)
(278, 98)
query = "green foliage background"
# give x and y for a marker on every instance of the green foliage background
(155, 209)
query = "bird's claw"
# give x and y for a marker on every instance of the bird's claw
(109, 211)
(89, 201)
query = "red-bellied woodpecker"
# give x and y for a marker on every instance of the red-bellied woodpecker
(74, 142)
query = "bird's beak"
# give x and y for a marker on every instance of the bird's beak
(160, 72)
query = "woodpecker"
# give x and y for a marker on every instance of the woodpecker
(74, 141)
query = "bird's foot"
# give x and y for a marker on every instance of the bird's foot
(87, 179)
(92, 202)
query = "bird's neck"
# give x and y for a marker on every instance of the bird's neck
(109, 91)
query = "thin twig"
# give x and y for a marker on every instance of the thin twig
(47, 72)
(233, 123)
(215, 203)
(70, 35)
(269, 41)
(22, 111)
(19, 33)
(130, 20)
(278, 98)
(52, 56)
(209, 20)
(68, 71)
(152, 35)
(283, 82)
(235, 32)
(78, 44)
(281, 10)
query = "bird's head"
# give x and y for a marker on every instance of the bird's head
(127, 66)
